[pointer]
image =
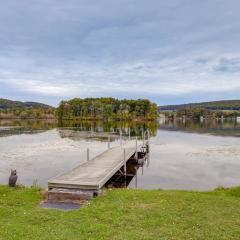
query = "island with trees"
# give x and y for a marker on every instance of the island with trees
(107, 109)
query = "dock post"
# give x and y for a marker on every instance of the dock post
(121, 137)
(136, 150)
(87, 154)
(148, 141)
(148, 134)
(136, 178)
(109, 140)
(125, 162)
(143, 136)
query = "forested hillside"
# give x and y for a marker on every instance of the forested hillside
(25, 110)
(215, 105)
(9, 104)
(107, 108)
(217, 109)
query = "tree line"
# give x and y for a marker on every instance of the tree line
(198, 112)
(107, 109)
(214, 105)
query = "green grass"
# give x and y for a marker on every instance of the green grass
(124, 214)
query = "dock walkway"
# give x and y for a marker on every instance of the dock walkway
(93, 174)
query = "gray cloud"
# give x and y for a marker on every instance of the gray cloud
(60, 49)
(228, 65)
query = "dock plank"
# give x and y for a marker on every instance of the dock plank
(94, 173)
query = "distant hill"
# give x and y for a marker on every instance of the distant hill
(215, 105)
(9, 104)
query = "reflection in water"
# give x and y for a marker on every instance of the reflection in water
(76, 135)
(215, 127)
(112, 127)
(181, 158)
(119, 180)
(16, 127)
(29, 124)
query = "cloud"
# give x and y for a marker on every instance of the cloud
(228, 65)
(129, 79)
(157, 49)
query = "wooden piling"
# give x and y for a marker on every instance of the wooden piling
(136, 149)
(143, 139)
(125, 163)
(136, 178)
(88, 155)
(121, 137)
(148, 141)
(109, 140)
(148, 134)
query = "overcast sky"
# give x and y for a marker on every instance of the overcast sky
(172, 51)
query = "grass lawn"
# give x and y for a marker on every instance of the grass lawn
(124, 214)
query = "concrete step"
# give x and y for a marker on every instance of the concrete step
(70, 195)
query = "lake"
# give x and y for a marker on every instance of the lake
(184, 155)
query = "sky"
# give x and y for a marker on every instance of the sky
(174, 51)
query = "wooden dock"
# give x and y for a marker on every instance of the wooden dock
(87, 179)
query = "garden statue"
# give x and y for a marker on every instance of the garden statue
(13, 178)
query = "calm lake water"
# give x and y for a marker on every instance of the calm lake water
(184, 155)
